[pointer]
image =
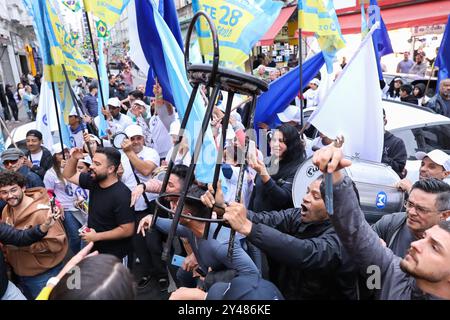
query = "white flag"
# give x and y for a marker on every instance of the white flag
(46, 121)
(353, 108)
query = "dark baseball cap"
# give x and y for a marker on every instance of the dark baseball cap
(12, 154)
(34, 133)
(244, 288)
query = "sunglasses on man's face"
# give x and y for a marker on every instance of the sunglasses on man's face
(10, 162)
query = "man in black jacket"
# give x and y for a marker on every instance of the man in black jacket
(394, 151)
(39, 158)
(313, 263)
(20, 238)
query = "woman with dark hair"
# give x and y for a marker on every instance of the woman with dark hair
(12, 102)
(101, 277)
(419, 94)
(273, 184)
(64, 192)
(393, 92)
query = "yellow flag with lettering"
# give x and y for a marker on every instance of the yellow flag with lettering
(239, 26)
(108, 11)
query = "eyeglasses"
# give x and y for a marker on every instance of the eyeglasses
(10, 162)
(4, 193)
(419, 209)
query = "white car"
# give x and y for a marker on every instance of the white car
(421, 129)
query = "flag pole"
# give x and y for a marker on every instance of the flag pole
(7, 132)
(57, 119)
(95, 59)
(300, 63)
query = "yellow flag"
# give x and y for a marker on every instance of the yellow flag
(108, 11)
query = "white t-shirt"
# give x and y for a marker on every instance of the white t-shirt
(64, 192)
(116, 125)
(179, 159)
(76, 139)
(159, 128)
(312, 97)
(36, 158)
(147, 154)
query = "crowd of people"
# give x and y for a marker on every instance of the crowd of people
(88, 208)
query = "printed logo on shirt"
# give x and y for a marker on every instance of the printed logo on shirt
(68, 190)
(80, 192)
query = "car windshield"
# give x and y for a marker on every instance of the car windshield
(425, 139)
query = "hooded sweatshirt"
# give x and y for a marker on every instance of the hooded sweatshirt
(40, 256)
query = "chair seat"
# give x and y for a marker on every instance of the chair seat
(230, 80)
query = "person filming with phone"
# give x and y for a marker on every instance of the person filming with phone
(35, 263)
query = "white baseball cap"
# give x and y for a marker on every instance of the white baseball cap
(291, 113)
(140, 103)
(175, 127)
(56, 148)
(73, 112)
(315, 81)
(115, 102)
(87, 159)
(134, 130)
(437, 156)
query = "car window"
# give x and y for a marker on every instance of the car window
(425, 139)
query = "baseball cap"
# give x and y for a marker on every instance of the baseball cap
(87, 159)
(56, 148)
(73, 112)
(34, 133)
(115, 102)
(291, 113)
(95, 138)
(12, 154)
(399, 79)
(244, 288)
(140, 103)
(437, 156)
(134, 130)
(315, 81)
(174, 127)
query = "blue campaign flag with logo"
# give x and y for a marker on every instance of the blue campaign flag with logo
(283, 90)
(443, 56)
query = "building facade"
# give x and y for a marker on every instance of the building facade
(18, 44)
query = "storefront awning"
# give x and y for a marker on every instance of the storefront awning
(270, 35)
(426, 13)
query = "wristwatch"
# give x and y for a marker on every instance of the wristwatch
(53, 281)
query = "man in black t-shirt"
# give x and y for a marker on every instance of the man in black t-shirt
(110, 220)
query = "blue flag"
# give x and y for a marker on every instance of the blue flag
(283, 90)
(380, 38)
(443, 56)
(163, 52)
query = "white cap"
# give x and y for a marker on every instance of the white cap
(291, 113)
(115, 102)
(87, 159)
(133, 130)
(56, 148)
(140, 103)
(73, 112)
(315, 81)
(95, 138)
(175, 127)
(437, 156)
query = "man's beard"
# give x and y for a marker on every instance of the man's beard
(18, 198)
(99, 177)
